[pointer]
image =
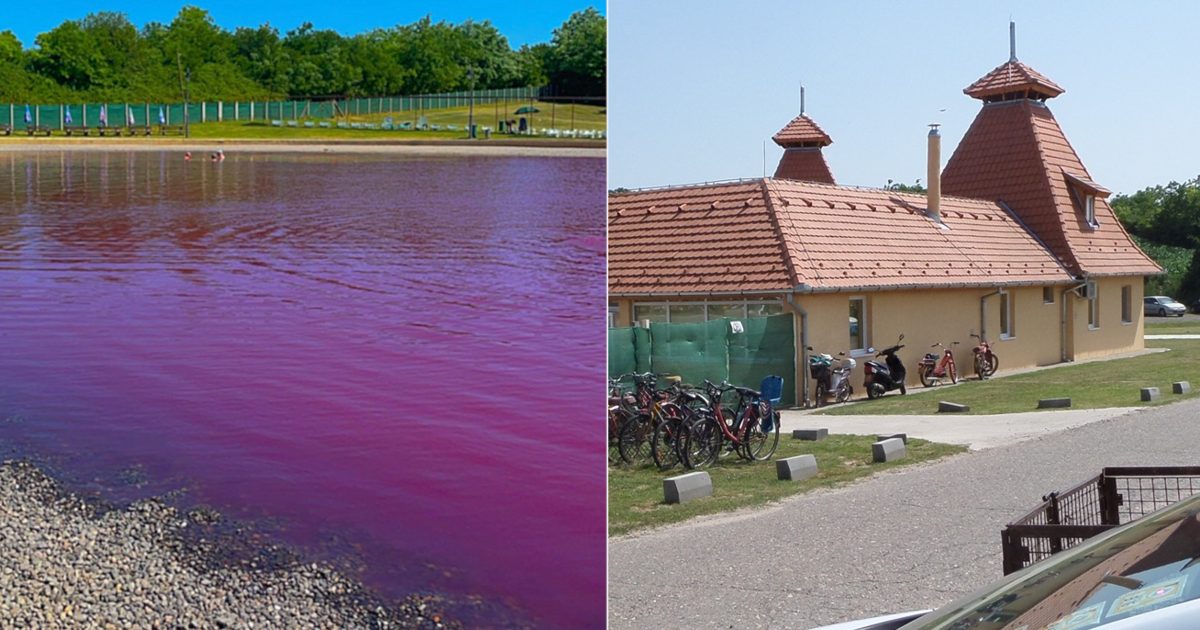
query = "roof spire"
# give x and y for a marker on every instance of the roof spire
(801, 99)
(1012, 40)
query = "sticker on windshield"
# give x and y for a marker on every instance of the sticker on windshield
(1080, 618)
(1149, 596)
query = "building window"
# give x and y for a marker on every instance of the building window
(652, 312)
(1127, 304)
(1006, 316)
(858, 324)
(1093, 308)
(1047, 295)
(687, 313)
(732, 310)
(613, 310)
(1089, 209)
(763, 309)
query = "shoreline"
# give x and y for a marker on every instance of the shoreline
(66, 561)
(502, 148)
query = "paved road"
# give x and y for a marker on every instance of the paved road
(910, 539)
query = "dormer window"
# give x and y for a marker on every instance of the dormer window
(1084, 192)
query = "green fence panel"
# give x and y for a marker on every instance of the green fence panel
(695, 351)
(766, 346)
(642, 348)
(622, 354)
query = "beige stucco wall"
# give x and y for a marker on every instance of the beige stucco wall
(1111, 336)
(949, 315)
(946, 316)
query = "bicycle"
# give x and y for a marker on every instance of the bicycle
(622, 406)
(932, 370)
(666, 441)
(754, 434)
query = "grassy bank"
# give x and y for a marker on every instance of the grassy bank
(1171, 326)
(635, 496)
(1096, 385)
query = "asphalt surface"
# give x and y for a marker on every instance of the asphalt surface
(909, 539)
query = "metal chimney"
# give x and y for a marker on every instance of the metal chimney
(934, 174)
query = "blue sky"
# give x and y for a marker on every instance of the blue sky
(526, 22)
(696, 87)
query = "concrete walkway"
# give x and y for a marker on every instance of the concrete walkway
(913, 538)
(976, 432)
(1172, 337)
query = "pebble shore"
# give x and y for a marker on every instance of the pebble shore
(65, 562)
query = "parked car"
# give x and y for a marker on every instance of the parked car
(1142, 575)
(1196, 306)
(1162, 306)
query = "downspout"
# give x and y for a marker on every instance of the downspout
(1062, 335)
(802, 369)
(983, 313)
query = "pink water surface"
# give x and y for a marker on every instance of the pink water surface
(397, 354)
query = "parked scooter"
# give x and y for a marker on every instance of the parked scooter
(830, 380)
(884, 377)
(986, 361)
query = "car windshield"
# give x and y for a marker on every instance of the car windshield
(1149, 564)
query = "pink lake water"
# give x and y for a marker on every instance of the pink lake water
(387, 357)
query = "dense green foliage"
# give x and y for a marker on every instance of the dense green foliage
(105, 57)
(1165, 221)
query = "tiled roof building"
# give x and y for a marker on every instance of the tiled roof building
(1014, 240)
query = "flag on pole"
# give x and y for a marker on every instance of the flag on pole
(28, 116)
(104, 115)
(67, 115)
(162, 116)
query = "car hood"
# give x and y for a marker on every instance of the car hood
(884, 622)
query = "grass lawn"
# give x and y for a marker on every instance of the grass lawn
(635, 496)
(1095, 385)
(1171, 326)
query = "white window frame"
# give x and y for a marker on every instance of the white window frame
(745, 304)
(863, 328)
(1089, 209)
(1093, 308)
(1006, 316)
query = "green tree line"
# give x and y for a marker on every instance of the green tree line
(104, 57)
(1165, 221)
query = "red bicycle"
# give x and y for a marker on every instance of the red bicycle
(933, 370)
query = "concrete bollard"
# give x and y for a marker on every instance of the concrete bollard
(1054, 403)
(888, 450)
(810, 434)
(796, 468)
(901, 436)
(1181, 387)
(949, 407)
(684, 488)
(1150, 394)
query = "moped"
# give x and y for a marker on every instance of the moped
(831, 381)
(986, 361)
(933, 370)
(884, 377)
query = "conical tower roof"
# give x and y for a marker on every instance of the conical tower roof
(1013, 79)
(802, 132)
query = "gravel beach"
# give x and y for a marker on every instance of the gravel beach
(66, 562)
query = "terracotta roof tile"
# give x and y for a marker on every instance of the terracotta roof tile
(805, 164)
(1016, 152)
(1012, 76)
(828, 237)
(802, 131)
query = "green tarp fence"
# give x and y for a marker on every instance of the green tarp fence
(147, 114)
(710, 350)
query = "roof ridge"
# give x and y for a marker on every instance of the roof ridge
(713, 183)
(878, 189)
(784, 247)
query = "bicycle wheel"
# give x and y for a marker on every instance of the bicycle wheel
(633, 443)
(843, 392)
(981, 366)
(821, 394)
(926, 373)
(952, 372)
(663, 448)
(993, 362)
(702, 444)
(617, 419)
(759, 444)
